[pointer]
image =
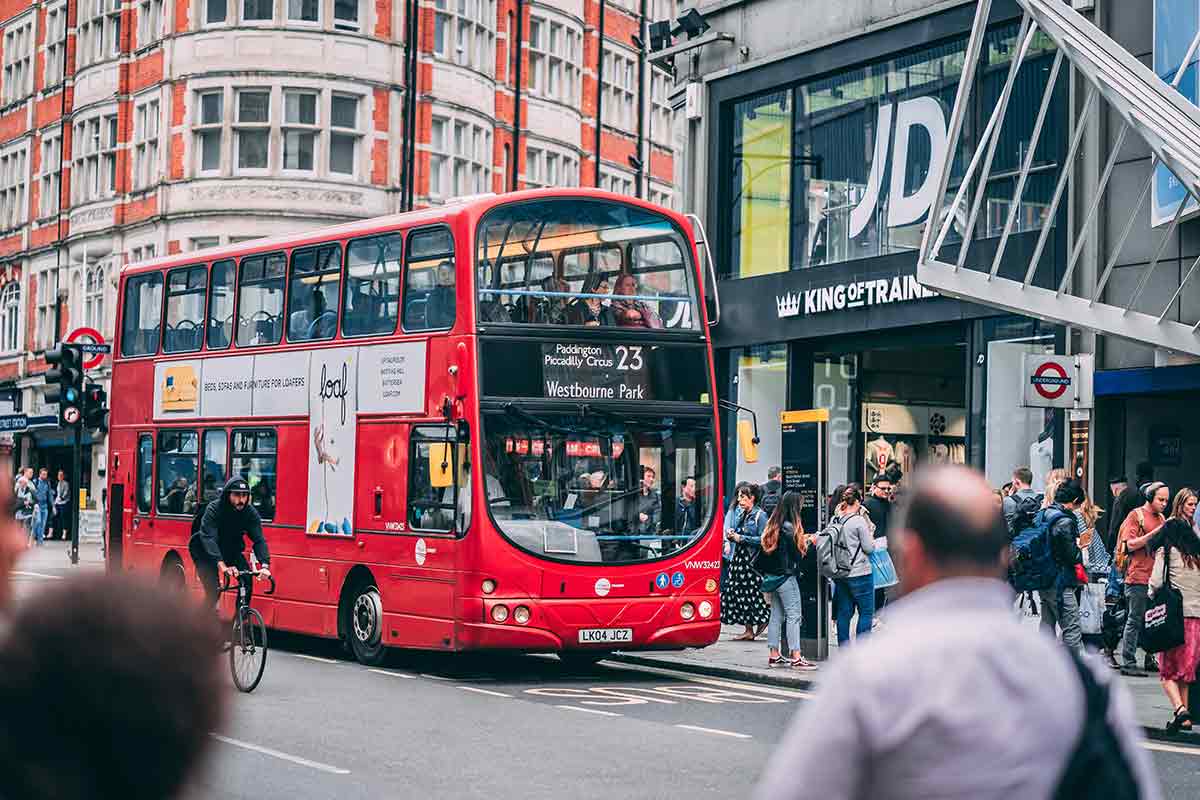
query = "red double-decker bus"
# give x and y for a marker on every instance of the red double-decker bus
(486, 425)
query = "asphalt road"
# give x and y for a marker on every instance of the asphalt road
(438, 726)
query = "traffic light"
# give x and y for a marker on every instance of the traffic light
(65, 382)
(95, 409)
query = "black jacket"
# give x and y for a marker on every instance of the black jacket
(880, 511)
(785, 559)
(223, 530)
(1064, 547)
(1126, 501)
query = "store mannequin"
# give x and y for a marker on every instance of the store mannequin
(1041, 453)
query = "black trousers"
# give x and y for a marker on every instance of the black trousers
(206, 570)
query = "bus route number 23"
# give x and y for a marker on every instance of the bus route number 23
(629, 358)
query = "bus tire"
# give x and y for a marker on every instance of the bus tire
(172, 574)
(582, 659)
(363, 624)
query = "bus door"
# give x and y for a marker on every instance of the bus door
(408, 510)
(139, 522)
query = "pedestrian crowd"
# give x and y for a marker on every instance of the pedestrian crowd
(768, 560)
(1102, 580)
(42, 505)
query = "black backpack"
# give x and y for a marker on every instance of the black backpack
(770, 500)
(1097, 762)
(1027, 508)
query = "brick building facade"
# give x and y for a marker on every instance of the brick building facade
(135, 128)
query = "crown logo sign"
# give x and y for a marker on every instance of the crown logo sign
(788, 305)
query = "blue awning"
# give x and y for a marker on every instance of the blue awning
(1149, 380)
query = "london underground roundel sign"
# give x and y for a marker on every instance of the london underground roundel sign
(93, 346)
(1050, 380)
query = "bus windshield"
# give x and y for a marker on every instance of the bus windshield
(600, 488)
(584, 263)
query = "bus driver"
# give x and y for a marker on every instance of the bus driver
(218, 539)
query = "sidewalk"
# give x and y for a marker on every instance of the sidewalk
(748, 661)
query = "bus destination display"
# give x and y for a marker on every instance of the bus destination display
(594, 372)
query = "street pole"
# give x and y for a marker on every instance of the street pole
(77, 478)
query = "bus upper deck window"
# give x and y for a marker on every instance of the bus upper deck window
(220, 306)
(185, 309)
(313, 293)
(142, 315)
(260, 300)
(371, 300)
(429, 281)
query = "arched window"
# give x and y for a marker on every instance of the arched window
(10, 315)
(93, 299)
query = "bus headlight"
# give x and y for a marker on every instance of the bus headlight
(521, 614)
(687, 611)
(489, 586)
(499, 613)
(705, 609)
(710, 585)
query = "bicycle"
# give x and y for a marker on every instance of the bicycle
(247, 635)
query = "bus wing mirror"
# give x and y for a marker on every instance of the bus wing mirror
(441, 465)
(747, 442)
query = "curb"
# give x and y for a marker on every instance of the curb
(715, 672)
(1155, 734)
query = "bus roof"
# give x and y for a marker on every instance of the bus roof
(475, 205)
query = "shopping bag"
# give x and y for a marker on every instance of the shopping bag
(882, 568)
(1091, 608)
(1163, 628)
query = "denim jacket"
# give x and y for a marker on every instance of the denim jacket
(752, 530)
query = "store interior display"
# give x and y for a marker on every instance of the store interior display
(898, 438)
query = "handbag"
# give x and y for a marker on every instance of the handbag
(883, 570)
(1164, 616)
(1091, 608)
(772, 582)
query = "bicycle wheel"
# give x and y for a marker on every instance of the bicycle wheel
(248, 649)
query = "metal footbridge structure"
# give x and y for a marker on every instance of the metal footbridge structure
(1147, 107)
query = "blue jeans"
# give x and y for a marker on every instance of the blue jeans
(785, 602)
(39, 523)
(848, 594)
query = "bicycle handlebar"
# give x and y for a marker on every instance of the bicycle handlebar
(227, 586)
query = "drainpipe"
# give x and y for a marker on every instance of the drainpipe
(599, 89)
(408, 166)
(641, 126)
(517, 44)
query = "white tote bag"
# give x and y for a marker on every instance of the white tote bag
(1091, 608)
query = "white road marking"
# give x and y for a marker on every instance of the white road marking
(24, 574)
(1171, 748)
(716, 731)
(317, 658)
(590, 711)
(477, 690)
(777, 691)
(393, 674)
(267, 751)
(433, 677)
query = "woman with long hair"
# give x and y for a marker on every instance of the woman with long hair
(784, 547)
(1178, 558)
(1054, 477)
(743, 602)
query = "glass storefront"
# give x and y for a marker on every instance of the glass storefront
(760, 384)
(839, 167)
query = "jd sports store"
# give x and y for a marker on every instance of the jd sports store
(820, 195)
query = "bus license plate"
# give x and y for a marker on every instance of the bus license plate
(605, 635)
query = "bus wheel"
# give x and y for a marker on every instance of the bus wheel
(582, 659)
(364, 624)
(172, 575)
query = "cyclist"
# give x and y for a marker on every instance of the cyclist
(218, 539)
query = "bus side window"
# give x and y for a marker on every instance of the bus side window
(429, 281)
(313, 293)
(184, 332)
(430, 505)
(145, 472)
(260, 300)
(142, 316)
(216, 457)
(255, 453)
(176, 471)
(371, 304)
(220, 306)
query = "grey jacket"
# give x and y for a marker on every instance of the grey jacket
(861, 540)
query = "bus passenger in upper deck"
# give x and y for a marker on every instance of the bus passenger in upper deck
(590, 311)
(439, 304)
(632, 313)
(550, 310)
